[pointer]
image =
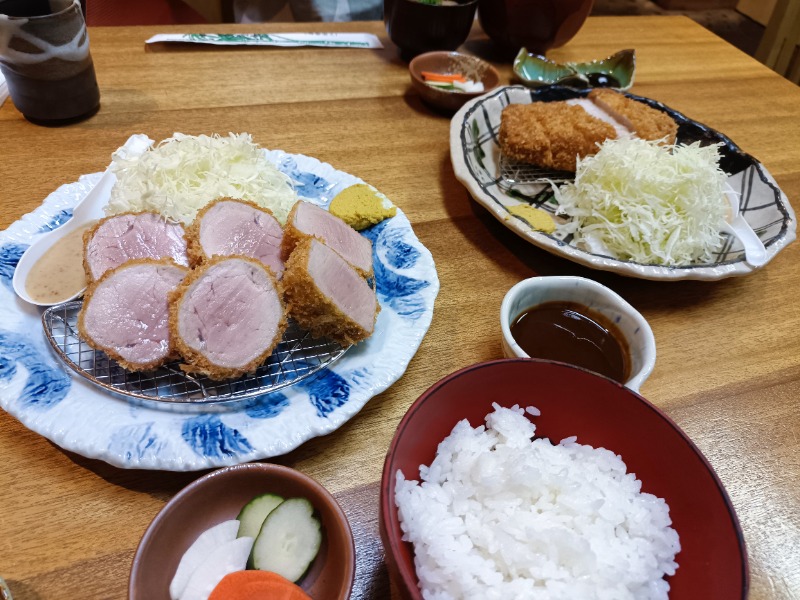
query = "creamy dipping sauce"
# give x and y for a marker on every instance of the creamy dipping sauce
(58, 274)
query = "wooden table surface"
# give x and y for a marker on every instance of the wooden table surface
(728, 368)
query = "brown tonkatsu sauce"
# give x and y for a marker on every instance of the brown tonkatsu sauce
(571, 333)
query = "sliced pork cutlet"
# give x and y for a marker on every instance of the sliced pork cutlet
(307, 220)
(227, 317)
(126, 313)
(129, 236)
(644, 121)
(551, 134)
(231, 227)
(590, 107)
(327, 296)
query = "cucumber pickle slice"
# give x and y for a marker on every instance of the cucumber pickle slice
(255, 512)
(289, 539)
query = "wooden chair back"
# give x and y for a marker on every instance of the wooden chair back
(779, 46)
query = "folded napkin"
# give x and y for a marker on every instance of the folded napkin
(328, 40)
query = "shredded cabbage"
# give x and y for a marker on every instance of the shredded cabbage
(646, 202)
(183, 173)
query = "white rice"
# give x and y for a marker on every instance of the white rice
(499, 516)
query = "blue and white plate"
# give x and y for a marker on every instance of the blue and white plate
(475, 154)
(37, 389)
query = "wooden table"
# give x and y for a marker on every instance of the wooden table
(728, 368)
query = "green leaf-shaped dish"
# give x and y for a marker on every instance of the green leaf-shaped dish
(616, 71)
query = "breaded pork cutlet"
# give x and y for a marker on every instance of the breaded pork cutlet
(307, 220)
(646, 122)
(227, 317)
(115, 240)
(554, 134)
(125, 313)
(327, 296)
(231, 226)
(551, 134)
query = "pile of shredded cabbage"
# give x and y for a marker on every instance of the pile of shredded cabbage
(183, 173)
(646, 202)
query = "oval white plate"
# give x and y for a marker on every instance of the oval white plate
(475, 154)
(48, 399)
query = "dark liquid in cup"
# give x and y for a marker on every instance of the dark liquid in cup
(25, 8)
(572, 333)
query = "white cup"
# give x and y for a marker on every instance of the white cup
(594, 296)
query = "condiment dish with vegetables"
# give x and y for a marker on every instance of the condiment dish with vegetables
(472, 76)
(599, 309)
(243, 507)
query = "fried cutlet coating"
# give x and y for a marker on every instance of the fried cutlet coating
(311, 308)
(89, 234)
(551, 134)
(646, 122)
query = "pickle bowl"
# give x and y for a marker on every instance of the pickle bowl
(220, 496)
(5, 592)
(451, 63)
(636, 335)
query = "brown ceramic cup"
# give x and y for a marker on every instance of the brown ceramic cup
(416, 27)
(218, 497)
(44, 56)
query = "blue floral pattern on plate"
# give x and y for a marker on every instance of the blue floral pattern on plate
(50, 400)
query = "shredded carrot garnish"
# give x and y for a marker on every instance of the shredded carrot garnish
(445, 77)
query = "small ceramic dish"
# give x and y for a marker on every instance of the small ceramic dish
(451, 63)
(712, 562)
(218, 497)
(639, 339)
(617, 71)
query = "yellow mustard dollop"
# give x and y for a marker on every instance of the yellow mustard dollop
(535, 217)
(361, 206)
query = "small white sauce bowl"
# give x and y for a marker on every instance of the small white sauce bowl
(594, 296)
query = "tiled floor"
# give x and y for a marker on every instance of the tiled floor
(736, 28)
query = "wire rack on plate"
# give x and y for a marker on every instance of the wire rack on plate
(297, 356)
(520, 173)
